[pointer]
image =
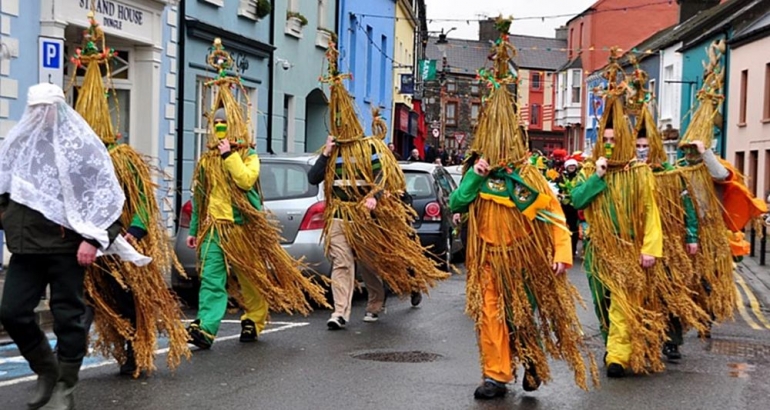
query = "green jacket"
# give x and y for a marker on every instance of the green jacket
(470, 187)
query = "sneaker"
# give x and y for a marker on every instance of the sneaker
(336, 323)
(615, 371)
(530, 381)
(671, 351)
(490, 389)
(371, 317)
(248, 331)
(197, 337)
(416, 299)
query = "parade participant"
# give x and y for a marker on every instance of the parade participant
(723, 202)
(365, 219)
(233, 235)
(131, 305)
(60, 205)
(565, 183)
(616, 193)
(518, 249)
(678, 221)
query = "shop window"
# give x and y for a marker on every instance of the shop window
(119, 67)
(451, 114)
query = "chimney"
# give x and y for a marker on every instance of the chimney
(689, 8)
(561, 33)
(487, 31)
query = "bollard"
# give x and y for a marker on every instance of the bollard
(753, 241)
(763, 246)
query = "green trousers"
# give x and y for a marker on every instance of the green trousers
(212, 304)
(599, 293)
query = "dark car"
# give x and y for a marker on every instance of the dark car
(430, 185)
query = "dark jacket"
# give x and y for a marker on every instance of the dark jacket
(29, 232)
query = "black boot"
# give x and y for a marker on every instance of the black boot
(62, 397)
(490, 389)
(615, 371)
(129, 366)
(530, 381)
(671, 351)
(248, 331)
(44, 364)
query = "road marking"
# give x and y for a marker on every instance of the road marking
(281, 326)
(753, 302)
(743, 312)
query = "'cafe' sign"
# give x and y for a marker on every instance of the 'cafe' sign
(114, 14)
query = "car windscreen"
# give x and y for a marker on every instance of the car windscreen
(419, 184)
(457, 178)
(283, 180)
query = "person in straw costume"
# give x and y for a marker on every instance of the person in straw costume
(130, 305)
(679, 221)
(723, 202)
(366, 220)
(616, 194)
(232, 233)
(518, 249)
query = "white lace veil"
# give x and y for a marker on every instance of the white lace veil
(54, 163)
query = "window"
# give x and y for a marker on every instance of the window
(668, 91)
(280, 181)
(766, 110)
(352, 51)
(384, 72)
(740, 159)
(288, 123)
(753, 168)
(576, 86)
(580, 37)
(744, 91)
(418, 184)
(767, 175)
(369, 62)
(292, 6)
(475, 108)
(536, 81)
(451, 86)
(534, 115)
(652, 88)
(451, 114)
(322, 13)
(475, 89)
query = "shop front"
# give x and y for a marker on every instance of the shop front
(405, 130)
(134, 28)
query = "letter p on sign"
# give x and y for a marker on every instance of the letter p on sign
(51, 63)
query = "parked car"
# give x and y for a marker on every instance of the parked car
(288, 196)
(430, 186)
(456, 171)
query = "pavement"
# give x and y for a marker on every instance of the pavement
(298, 364)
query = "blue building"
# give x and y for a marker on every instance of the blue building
(366, 44)
(245, 32)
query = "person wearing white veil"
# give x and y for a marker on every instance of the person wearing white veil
(60, 204)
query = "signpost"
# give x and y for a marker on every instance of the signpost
(51, 61)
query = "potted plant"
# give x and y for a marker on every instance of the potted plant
(323, 36)
(263, 8)
(294, 23)
(298, 16)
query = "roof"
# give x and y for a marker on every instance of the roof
(576, 63)
(590, 9)
(756, 30)
(725, 14)
(467, 56)
(651, 45)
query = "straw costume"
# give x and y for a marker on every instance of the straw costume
(239, 248)
(357, 168)
(625, 228)
(131, 304)
(524, 312)
(723, 202)
(679, 221)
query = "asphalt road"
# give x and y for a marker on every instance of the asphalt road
(298, 364)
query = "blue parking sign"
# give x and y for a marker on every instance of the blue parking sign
(51, 54)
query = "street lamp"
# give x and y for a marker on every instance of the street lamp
(441, 43)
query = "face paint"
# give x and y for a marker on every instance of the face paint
(608, 148)
(220, 130)
(642, 153)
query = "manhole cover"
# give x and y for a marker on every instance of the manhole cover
(741, 349)
(399, 357)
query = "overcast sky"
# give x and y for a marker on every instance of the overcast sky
(471, 9)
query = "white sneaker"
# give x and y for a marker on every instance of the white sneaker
(336, 323)
(371, 317)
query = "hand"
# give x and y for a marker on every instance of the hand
(481, 167)
(370, 203)
(647, 261)
(559, 268)
(700, 146)
(86, 254)
(224, 146)
(601, 167)
(130, 238)
(692, 248)
(329, 145)
(456, 218)
(192, 242)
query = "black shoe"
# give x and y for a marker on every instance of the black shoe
(605, 359)
(336, 323)
(489, 390)
(416, 299)
(615, 371)
(129, 367)
(671, 351)
(248, 331)
(197, 338)
(530, 381)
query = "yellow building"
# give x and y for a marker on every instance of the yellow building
(407, 24)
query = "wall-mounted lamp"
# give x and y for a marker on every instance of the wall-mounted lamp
(285, 64)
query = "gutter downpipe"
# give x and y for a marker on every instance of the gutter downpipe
(180, 78)
(271, 85)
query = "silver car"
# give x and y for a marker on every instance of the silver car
(288, 196)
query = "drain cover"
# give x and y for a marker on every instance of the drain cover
(399, 357)
(741, 349)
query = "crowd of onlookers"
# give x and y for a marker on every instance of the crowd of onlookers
(431, 154)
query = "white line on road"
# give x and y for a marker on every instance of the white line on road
(282, 326)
